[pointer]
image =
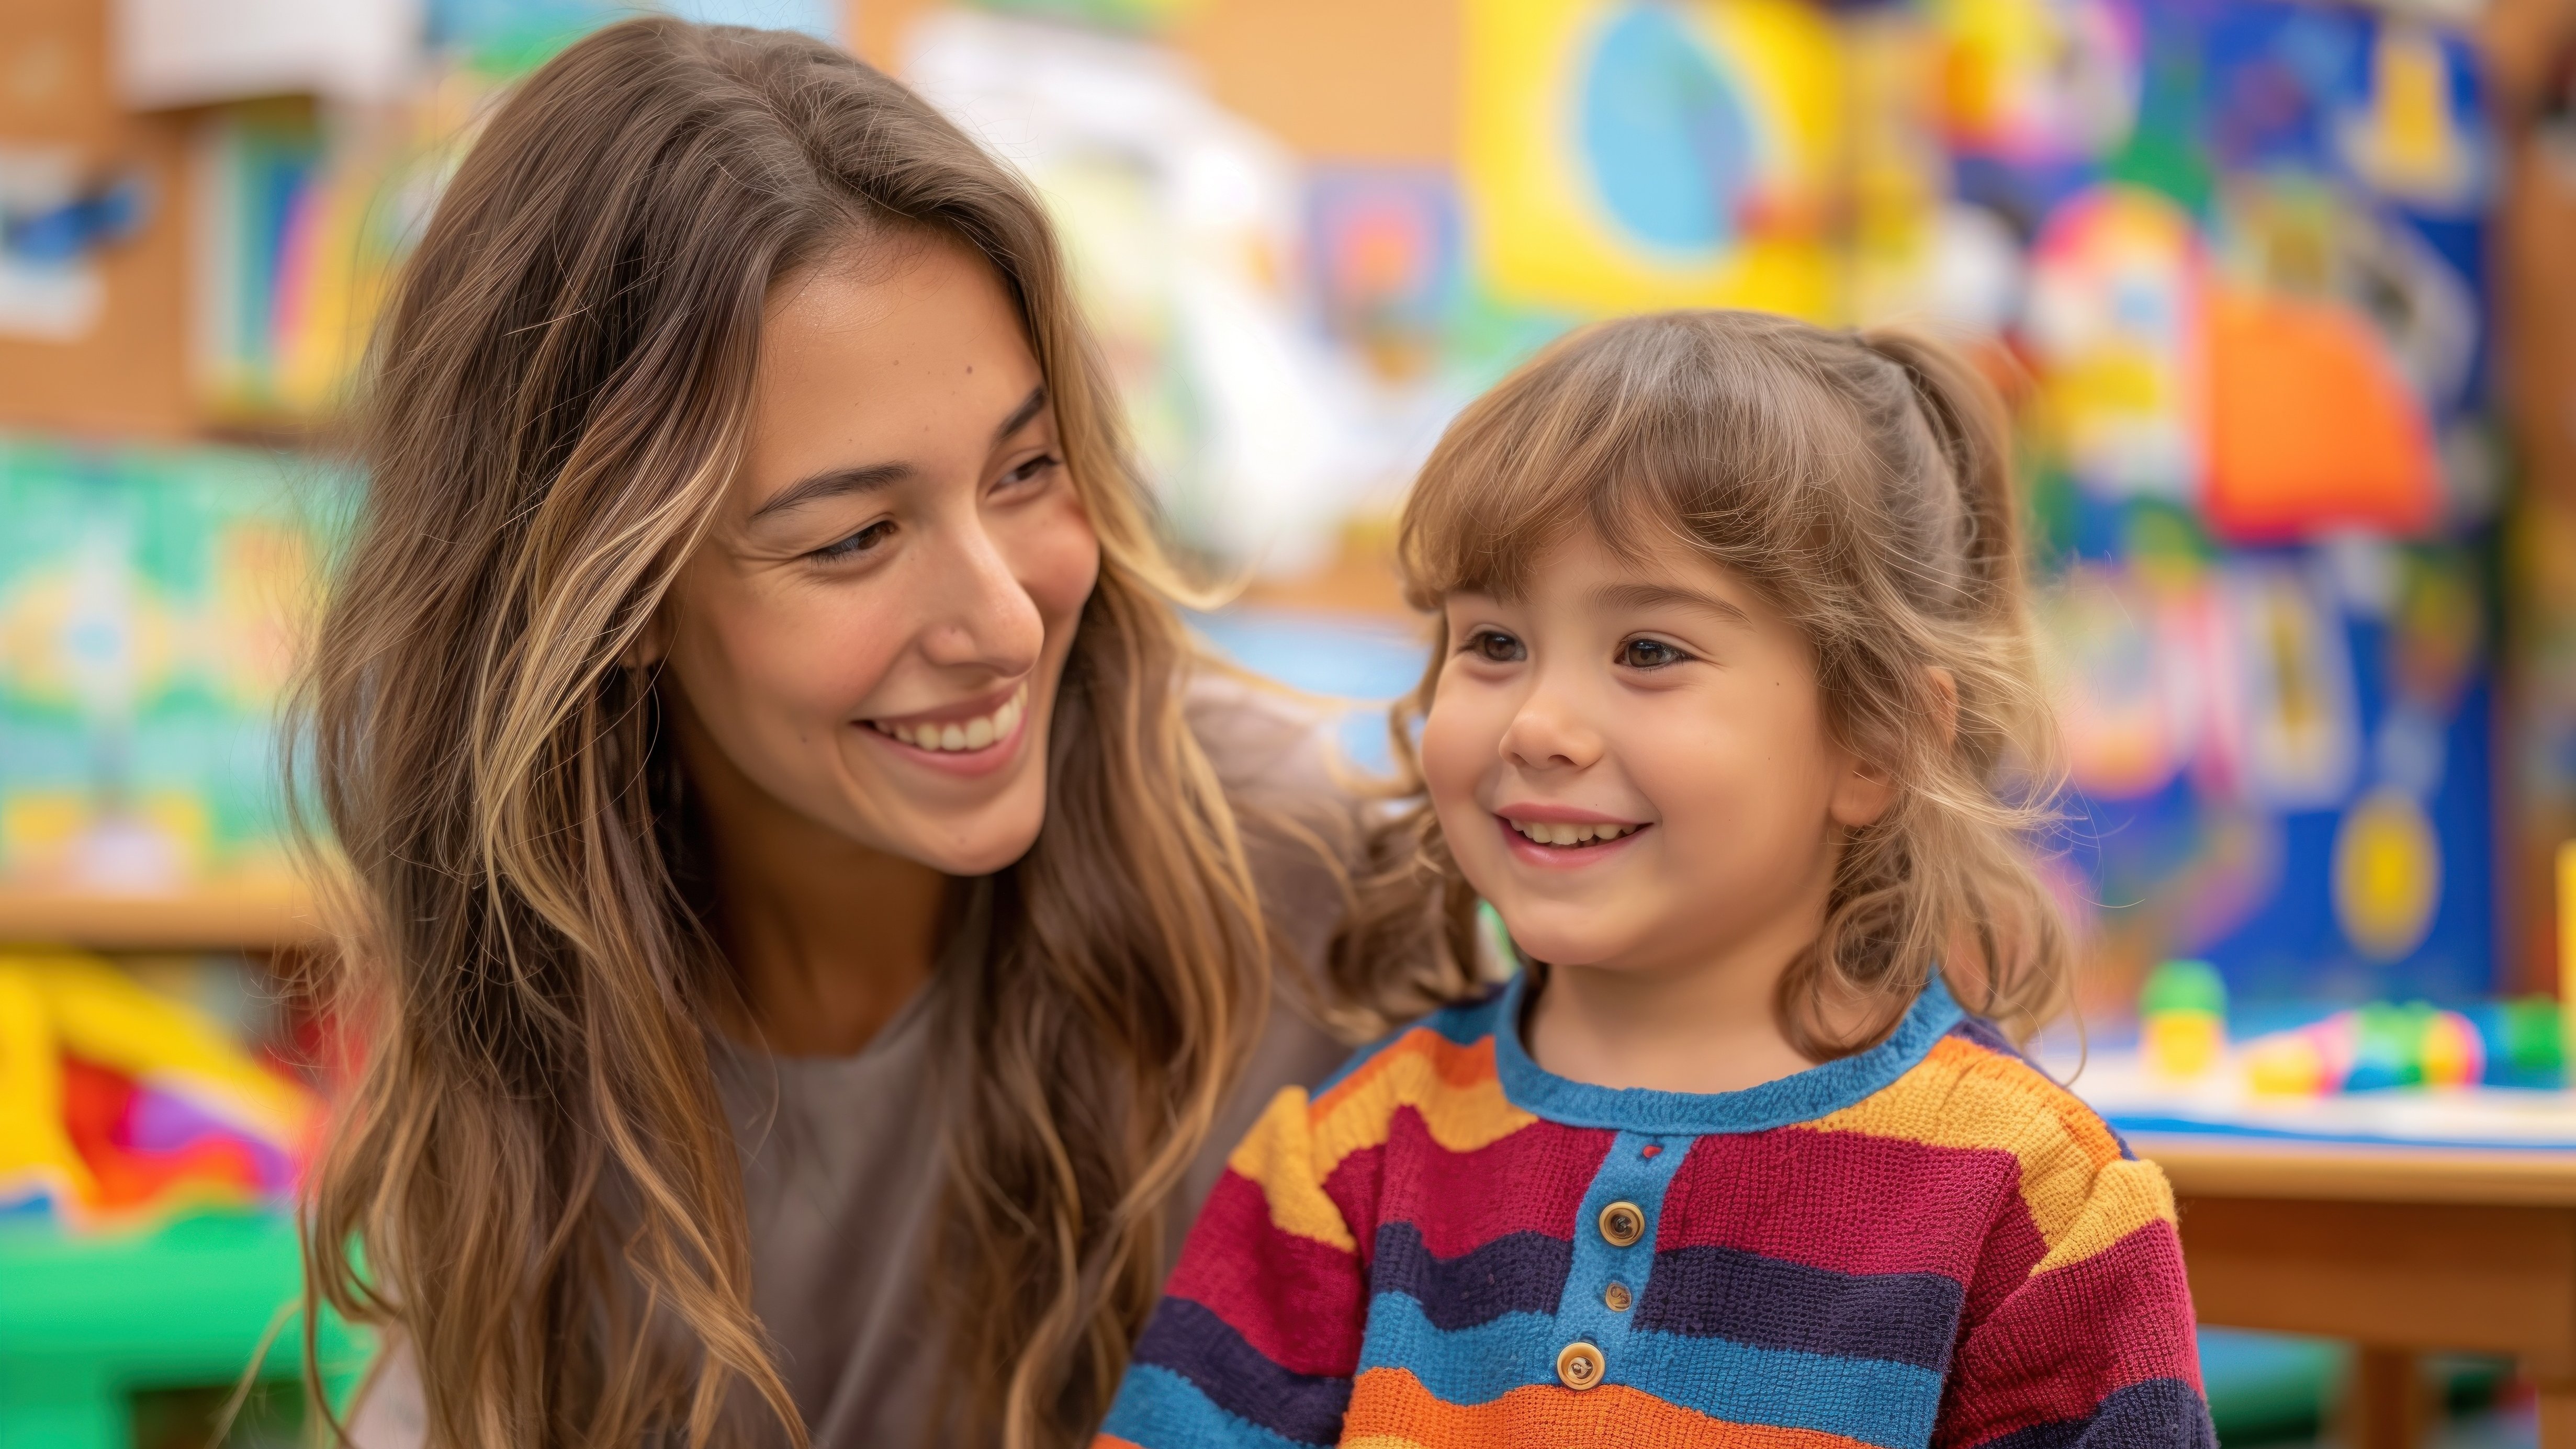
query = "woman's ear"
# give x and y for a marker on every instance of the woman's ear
(649, 647)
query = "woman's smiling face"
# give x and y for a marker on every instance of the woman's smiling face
(1630, 761)
(872, 633)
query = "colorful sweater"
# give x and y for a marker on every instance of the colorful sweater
(1928, 1243)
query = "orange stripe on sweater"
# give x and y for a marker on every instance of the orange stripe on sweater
(1452, 1088)
(1390, 1409)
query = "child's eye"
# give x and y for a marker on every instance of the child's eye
(1495, 647)
(1648, 654)
(862, 542)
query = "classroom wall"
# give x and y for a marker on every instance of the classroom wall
(1337, 80)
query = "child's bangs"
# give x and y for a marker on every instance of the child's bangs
(1484, 513)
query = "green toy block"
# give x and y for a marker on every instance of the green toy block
(86, 1320)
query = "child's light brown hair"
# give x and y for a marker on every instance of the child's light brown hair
(1861, 482)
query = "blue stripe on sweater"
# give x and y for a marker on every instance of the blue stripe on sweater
(1871, 1400)
(1159, 1409)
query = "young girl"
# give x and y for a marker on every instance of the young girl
(1734, 723)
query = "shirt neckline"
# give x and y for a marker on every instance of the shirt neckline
(1798, 1097)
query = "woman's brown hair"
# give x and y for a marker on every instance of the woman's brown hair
(1861, 481)
(532, 1183)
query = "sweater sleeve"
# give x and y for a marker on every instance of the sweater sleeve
(2082, 1337)
(1258, 1334)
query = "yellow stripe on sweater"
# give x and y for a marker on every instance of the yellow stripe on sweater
(1295, 1146)
(1451, 1087)
(2082, 1195)
(1279, 1154)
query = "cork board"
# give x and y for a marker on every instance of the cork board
(128, 376)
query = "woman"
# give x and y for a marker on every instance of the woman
(810, 926)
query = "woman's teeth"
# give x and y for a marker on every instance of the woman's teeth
(1558, 833)
(962, 734)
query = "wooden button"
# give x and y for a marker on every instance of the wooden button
(1616, 1295)
(1623, 1223)
(1578, 1366)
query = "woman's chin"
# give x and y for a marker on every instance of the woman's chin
(992, 839)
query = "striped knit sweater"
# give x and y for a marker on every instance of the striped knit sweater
(1927, 1243)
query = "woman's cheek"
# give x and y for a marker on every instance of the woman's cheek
(1059, 561)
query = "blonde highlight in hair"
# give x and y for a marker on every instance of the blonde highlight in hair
(1861, 482)
(532, 1182)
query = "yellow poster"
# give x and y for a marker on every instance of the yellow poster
(1625, 155)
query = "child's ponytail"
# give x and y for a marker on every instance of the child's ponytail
(1967, 420)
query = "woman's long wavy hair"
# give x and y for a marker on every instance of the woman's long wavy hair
(533, 1184)
(1861, 481)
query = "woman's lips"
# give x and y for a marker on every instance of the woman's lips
(958, 744)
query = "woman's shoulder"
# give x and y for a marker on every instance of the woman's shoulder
(1265, 740)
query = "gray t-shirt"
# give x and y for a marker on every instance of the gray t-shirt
(842, 1172)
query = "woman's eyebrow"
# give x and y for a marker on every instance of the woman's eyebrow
(1653, 596)
(1020, 415)
(842, 482)
(834, 483)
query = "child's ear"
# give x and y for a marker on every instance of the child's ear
(1865, 790)
(1945, 701)
(1862, 794)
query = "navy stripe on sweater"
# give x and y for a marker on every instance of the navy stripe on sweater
(1712, 1292)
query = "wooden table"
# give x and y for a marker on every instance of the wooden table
(2399, 1249)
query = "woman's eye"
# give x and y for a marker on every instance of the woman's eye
(863, 541)
(1033, 468)
(1649, 654)
(1496, 647)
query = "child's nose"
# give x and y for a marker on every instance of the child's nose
(1547, 733)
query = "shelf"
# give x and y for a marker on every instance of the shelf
(250, 918)
(2216, 1167)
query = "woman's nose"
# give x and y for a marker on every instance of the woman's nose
(980, 614)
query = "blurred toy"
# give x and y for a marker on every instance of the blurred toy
(2384, 1045)
(117, 1102)
(2182, 1019)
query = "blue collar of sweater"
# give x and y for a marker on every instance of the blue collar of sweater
(1798, 1097)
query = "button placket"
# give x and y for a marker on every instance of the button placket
(1614, 1251)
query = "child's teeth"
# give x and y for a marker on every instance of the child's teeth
(1550, 833)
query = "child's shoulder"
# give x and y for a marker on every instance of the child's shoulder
(1459, 1026)
(1974, 1090)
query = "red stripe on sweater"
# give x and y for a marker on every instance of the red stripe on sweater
(2069, 1338)
(1301, 1303)
(1847, 1201)
(1532, 1181)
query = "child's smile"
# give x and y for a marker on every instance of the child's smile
(1551, 835)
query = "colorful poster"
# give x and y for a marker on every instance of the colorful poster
(1624, 154)
(151, 602)
(2256, 319)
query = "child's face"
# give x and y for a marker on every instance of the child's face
(1666, 704)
